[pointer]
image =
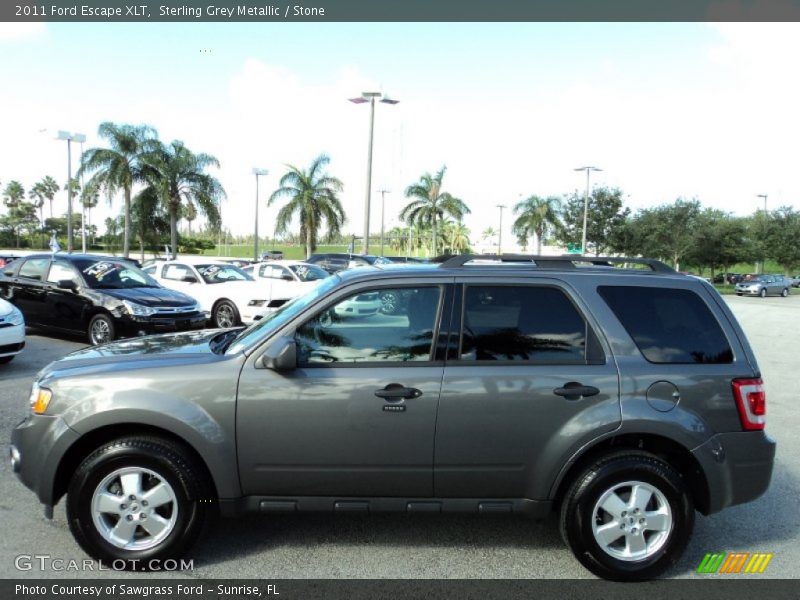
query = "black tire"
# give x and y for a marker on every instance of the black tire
(577, 518)
(4, 360)
(174, 465)
(785, 292)
(225, 314)
(101, 329)
(762, 293)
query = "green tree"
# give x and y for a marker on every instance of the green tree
(536, 216)
(720, 240)
(455, 237)
(605, 215)
(430, 205)
(177, 175)
(49, 188)
(190, 214)
(782, 239)
(150, 219)
(119, 167)
(313, 198)
(38, 195)
(668, 231)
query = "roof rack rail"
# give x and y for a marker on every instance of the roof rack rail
(553, 262)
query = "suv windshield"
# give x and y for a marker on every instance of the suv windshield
(113, 274)
(214, 273)
(309, 272)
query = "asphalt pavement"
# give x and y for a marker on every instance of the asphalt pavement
(425, 546)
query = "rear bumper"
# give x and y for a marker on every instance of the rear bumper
(738, 467)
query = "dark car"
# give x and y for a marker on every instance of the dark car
(333, 262)
(103, 297)
(404, 259)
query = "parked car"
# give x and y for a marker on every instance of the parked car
(287, 278)
(272, 255)
(404, 259)
(626, 402)
(333, 262)
(796, 281)
(12, 332)
(764, 285)
(230, 295)
(6, 258)
(238, 262)
(103, 297)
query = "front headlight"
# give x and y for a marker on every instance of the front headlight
(15, 317)
(40, 399)
(138, 310)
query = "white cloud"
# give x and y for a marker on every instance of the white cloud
(14, 32)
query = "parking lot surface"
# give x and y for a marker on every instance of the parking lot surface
(447, 546)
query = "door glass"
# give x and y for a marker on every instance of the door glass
(34, 268)
(60, 272)
(530, 323)
(356, 330)
(176, 272)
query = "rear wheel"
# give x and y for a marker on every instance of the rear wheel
(785, 292)
(137, 500)
(225, 314)
(763, 293)
(101, 329)
(627, 517)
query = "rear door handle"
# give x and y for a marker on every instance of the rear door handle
(575, 391)
(396, 391)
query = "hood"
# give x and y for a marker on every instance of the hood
(150, 296)
(148, 351)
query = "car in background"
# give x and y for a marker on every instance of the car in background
(764, 285)
(272, 255)
(339, 261)
(6, 258)
(287, 278)
(238, 262)
(405, 259)
(796, 281)
(102, 297)
(12, 332)
(229, 294)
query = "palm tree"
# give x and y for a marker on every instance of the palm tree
(119, 167)
(537, 216)
(49, 189)
(13, 198)
(38, 194)
(190, 214)
(430, 204)
(456, 237)
(90, 196)
(313, 197)
(178, 177)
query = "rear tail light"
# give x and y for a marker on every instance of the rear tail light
(751, 402)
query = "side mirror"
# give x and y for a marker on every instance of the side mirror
(67, 284)
(281, 356)
(189, 279)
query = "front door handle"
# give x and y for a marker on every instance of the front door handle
(575, 391)
(396, 391)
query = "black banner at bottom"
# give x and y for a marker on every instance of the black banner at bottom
(411, 589)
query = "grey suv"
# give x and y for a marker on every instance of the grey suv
(621, 399)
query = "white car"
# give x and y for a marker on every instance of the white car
(229, 295)
(287, 278)
(12, 331)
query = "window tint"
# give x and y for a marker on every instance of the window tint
(668, 325)
(34, 268)
(535, 323)
(355, 330)
(61, 271)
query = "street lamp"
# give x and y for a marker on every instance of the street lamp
(383, 193)
(586, 204)
(370, 97)
(764, 196)
(500, 230)
(70, 137)
(257, 172)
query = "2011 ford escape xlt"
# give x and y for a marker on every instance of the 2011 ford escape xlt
(613, 392)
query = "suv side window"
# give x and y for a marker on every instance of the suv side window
(524, 323)
(355, 331)
(669, 325)
(34, 268)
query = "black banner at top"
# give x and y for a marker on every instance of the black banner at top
(397, 10)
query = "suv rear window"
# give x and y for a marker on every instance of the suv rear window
(669, 325)
(524, 323)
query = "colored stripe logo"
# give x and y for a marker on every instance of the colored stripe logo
(734, 562)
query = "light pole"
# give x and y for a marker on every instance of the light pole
(383, 210)
(257, 172)
(370, 97)
(586, 204)
(764, 196)
(70, 137)
(500, 230)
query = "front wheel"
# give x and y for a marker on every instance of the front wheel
(785, 292)
(762, 293)
(627, 517)
(137, 501)
(225, 314)
(101, 330)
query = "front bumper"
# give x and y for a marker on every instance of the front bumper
(133, 325)
(748, 292)
(738, 467)
(37, 446)
(12, 339)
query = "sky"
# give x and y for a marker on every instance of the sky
(697, 110)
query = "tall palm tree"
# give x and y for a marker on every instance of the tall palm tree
(90, 196)
(119, 167)
(178, 177)
(38, 194)
(50, 189)
(430, 205)
(456, 237)
(313, 197)
(13, 198)
(190, 214)
(536, 216)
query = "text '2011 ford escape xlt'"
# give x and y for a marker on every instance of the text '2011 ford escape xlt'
(614, 392)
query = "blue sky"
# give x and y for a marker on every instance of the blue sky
(667, 110)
